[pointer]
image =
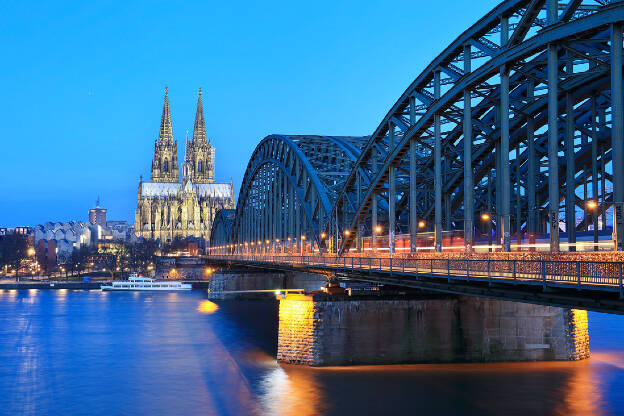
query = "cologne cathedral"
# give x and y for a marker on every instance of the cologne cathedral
(169, 206)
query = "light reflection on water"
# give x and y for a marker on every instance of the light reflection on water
(102, 353)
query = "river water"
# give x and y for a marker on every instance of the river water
(65, 352)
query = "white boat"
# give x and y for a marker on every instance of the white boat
(136, 282)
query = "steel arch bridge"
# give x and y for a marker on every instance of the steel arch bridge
(520, 118)
(288, 190)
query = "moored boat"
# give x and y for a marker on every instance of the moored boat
(136, 282)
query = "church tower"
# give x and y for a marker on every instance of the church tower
(165, 163)
(200, 154)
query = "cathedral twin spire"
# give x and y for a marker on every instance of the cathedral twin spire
(198, 154)
(166, 133)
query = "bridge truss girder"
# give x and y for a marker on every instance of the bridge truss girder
(415, 158)
(288, 191)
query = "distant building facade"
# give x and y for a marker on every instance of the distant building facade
(97, 215)
(55, 241)
(170, 207)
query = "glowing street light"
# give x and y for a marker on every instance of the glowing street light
(31, 251)
(591, 204)
(347, 233)
(421, 224)
(323, 235)
(378, 229)
(485, 217)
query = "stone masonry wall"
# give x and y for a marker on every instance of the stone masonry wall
(321, 330)
(221, 282)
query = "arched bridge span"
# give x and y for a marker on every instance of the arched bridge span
(510, 132)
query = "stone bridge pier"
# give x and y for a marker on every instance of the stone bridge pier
(390, 326)
(320, 330)
(232, 283)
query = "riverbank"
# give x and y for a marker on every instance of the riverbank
(199, 285)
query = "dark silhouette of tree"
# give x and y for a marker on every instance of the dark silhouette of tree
(13, 251)
(141, 254)
(79, 259)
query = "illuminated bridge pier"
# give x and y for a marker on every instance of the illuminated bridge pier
(511, 140)
(321, 329)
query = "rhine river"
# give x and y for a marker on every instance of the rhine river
(65, 352)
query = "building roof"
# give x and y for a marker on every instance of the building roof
(162, 189)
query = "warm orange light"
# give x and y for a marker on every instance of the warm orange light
(591, 204)
(421, 224)
(323, 235)
(378, 229)
(347, 233)
(208, 270)
(277, 240)
(303, 237)
(207, 307)
(31, 251)
(485, 216)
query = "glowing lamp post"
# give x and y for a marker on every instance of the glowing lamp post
(485, 217)
(592, 206)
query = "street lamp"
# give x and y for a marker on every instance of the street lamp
(485, 217)
(347, 233)
(421, 224)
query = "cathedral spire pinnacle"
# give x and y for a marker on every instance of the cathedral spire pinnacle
(199, 130)
(186, 147)
(166, 133)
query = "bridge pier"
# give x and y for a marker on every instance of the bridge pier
(234, 283)
(320, 330)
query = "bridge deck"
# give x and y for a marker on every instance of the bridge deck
(582, 284)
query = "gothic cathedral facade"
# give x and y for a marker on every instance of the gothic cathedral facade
(170, 207)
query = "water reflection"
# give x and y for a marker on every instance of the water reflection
(292, 391)
(207, 307)
(154, 354)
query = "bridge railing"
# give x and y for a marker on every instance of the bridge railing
(580, 274)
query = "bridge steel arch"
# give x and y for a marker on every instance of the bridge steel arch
(526, 97)
(287, 193)
(521, 118)
(221, 232)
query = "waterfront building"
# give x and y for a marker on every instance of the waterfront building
(170, 207)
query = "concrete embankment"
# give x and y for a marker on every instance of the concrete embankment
(199, 285)
(52, 285)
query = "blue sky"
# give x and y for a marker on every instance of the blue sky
(83, 84)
